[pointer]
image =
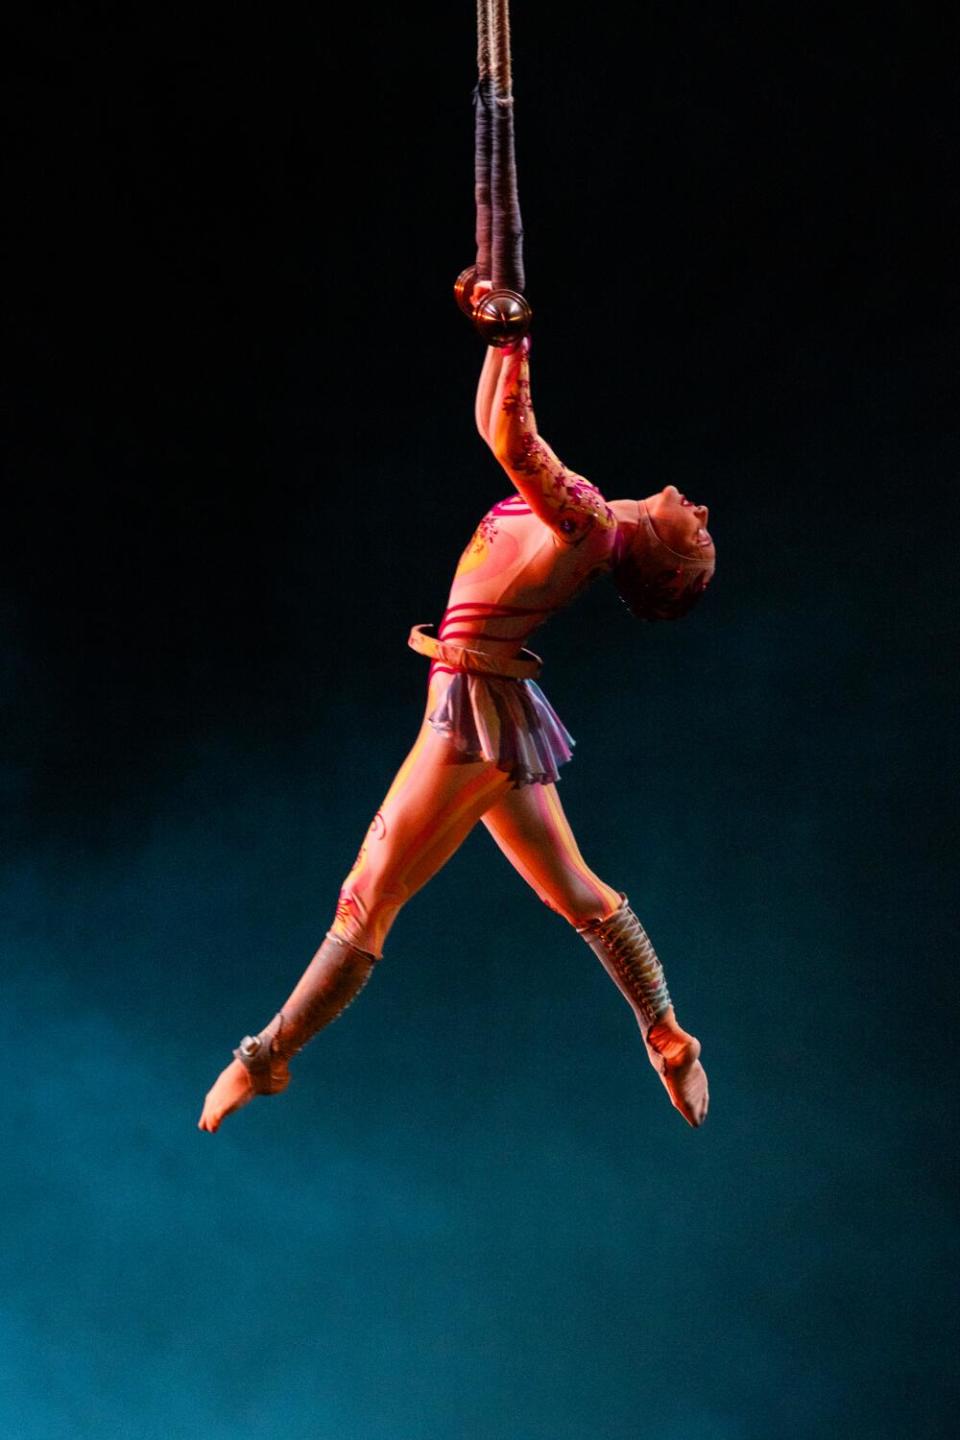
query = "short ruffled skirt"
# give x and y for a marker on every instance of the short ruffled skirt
(511, 722)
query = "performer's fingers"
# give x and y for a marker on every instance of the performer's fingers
(480, 289)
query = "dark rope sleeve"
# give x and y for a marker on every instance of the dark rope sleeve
(507, 227)
(483, 102)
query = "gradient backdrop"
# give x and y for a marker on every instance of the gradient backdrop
(241, 463)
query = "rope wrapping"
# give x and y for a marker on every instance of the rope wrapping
(499, 224)
(483, 103)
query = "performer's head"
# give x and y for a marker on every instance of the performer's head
(665, 556)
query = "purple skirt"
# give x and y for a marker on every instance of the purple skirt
(511, 722)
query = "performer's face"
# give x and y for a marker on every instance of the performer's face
(680, 523)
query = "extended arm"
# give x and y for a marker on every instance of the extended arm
(565, 501)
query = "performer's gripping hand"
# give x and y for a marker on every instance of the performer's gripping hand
(480, 290)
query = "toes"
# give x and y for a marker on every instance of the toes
(209, 1120)
(688, 1093)
(699, 1099)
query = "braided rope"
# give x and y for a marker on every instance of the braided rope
(499, 23)
(483, 38)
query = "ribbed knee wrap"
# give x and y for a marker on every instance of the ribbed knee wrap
(627, 954)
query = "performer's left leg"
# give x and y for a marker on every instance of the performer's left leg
(531, 829)
(432, 805)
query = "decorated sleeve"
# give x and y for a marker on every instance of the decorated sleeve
(567, 502)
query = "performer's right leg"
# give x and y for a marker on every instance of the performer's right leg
(531, 829)
(431, 807)
(429, 810)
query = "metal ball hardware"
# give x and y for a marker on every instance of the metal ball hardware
(463, 290)
(501, 318)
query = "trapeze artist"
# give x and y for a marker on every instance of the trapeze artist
(490, 745)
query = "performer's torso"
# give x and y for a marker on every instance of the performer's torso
(514, 574)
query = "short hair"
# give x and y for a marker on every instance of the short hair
(655, 582)
(659, 595)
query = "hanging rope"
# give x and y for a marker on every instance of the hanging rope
(483, 101)
(504, 315)
(506, 267)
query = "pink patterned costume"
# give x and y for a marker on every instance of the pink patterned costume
(490, 745)
(490, 742)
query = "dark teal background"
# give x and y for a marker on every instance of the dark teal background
(241, 463)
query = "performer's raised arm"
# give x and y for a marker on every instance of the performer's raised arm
(565, 501)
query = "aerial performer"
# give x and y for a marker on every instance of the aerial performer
(491, 745)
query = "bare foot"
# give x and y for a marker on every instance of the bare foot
(231, 1090)
(675, 1056)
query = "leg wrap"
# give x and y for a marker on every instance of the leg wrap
(334, 977)
(624, 949)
